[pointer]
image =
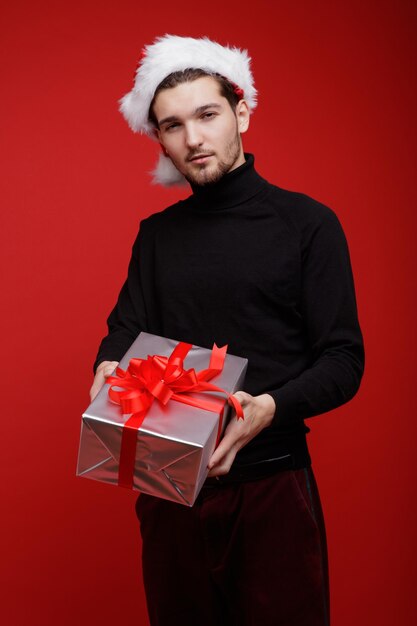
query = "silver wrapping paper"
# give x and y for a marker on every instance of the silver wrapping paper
(174, 442)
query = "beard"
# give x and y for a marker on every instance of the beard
(208, 175)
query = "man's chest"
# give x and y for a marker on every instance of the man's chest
(239, 263)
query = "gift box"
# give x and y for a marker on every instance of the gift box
(154, 427)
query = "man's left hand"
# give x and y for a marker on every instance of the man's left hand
(259, 412)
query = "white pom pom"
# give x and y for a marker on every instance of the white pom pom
(166, 173)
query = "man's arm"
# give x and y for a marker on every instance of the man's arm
(125, 322)
(330, 321)
(328, 310)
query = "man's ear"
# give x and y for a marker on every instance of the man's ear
(163, 149)
(157, 135)
(242, 116)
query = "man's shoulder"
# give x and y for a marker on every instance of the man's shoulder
(299, 203)
(163, 217)
(300, 209)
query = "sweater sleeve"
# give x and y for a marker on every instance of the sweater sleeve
(128, 318)
(330, 321)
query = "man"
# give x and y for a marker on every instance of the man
(266, 271)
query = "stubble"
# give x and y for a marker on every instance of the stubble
(208, 176)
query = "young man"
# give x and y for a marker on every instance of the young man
(266, 271)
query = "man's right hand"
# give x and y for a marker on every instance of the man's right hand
(103, 371)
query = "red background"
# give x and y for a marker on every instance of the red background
(336, 119)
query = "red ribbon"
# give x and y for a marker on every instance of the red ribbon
(165, 379)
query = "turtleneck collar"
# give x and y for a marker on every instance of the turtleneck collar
(232, 189)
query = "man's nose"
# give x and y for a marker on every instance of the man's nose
(193, 136)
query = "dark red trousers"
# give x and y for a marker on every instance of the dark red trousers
(246, 554)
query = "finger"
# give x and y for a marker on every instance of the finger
(99, 381)
(226, 444)
(105, 366)
(216, 458)
(109, 369)
(93, 392)
(242, 397)
(224, 467)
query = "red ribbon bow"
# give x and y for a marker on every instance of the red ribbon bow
(162, 378)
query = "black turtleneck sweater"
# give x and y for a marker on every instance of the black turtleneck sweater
(266, 271)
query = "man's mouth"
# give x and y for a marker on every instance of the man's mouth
(200, 158)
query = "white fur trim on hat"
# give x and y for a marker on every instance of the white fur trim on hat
(171, 53)
(166, 173)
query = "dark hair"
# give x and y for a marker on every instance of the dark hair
(227, 90)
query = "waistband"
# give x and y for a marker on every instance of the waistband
(257, 470)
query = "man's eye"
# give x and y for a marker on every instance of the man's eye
(208, 115)
(172, 126)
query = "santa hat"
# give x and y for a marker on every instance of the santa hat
(171, 54)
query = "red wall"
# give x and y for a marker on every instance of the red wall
(336, 119)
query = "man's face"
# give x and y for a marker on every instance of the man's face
(199, 130)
